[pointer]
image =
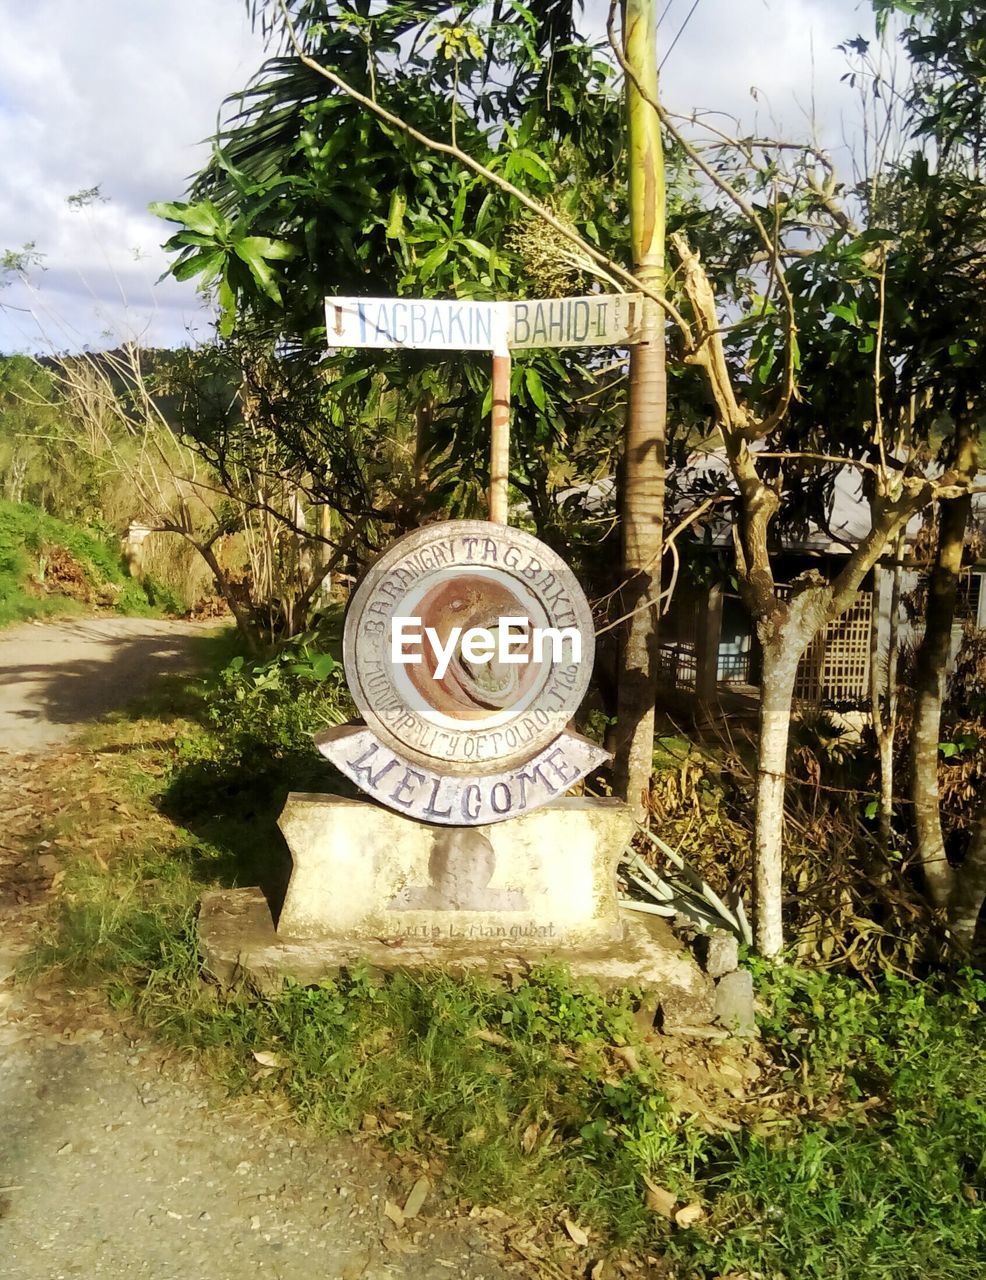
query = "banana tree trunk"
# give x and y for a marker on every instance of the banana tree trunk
(644, 455)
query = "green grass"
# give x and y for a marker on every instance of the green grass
(515, 1093)
(873, 1168)
(885, 1173)
(27, 537)
(862, 1155)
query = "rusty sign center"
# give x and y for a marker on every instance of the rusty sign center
(477, 709)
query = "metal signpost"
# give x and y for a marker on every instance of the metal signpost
(598, 320)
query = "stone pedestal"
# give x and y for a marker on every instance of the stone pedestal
(371, 887)
(362, 872)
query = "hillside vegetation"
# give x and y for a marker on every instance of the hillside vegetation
(48, 567)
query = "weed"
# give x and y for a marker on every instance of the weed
(886, 1175)
(520, 1112)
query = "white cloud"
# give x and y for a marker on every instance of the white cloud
(120, 93)
(785, 49)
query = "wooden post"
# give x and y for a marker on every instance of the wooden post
(500, 438)
(325, 552)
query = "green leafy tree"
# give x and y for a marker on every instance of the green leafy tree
(350, 205)
(940, 276)
(355, 206)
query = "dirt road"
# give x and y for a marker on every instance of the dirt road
(116, 1159)
(56, 676)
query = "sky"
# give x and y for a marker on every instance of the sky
(120, 94)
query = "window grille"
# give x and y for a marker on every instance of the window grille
(836, 666)
(967, 601)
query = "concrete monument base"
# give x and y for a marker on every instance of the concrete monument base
(374, 888)
(238, 943)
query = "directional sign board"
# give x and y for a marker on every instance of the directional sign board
(599, 320)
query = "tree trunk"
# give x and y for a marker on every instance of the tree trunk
(883, 701)
(780, 665)
(707, 640)
(643, 470)
(325, 555)
(930, 672)
(784, 636)
(885, 813)
(969, 890)
(424, 412)
(245, 622)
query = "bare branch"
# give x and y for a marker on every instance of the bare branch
(669, 545)
(857, 464)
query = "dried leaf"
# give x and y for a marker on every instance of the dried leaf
(492, 1037)
(395, 1244)
(487, 1213)
(419, 1193)
(394, 1213)
(689, 1215)
(267, 1059)
(576, 1233)
(529, 1139)
(598, 1268)
(660, 1200)
(369, 1123)
(629, 1056)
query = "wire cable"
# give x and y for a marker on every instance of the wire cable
(679, 35)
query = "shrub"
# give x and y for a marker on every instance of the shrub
(162, 596)
(272, 707)
(255, 742)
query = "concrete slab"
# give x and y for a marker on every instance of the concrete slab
(238, 943)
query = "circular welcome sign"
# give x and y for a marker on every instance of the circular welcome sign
(468, 646)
